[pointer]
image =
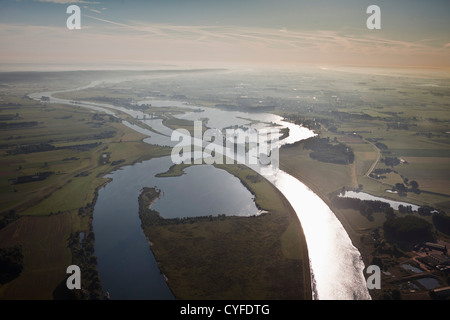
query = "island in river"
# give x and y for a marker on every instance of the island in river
(231, 257)
(58, 206)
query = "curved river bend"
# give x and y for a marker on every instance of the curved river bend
(336, 265)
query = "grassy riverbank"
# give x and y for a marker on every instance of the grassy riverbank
(46, 216)
(229, 257)
(366, 232)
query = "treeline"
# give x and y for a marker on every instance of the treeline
(307, 123)
(408, 229)
(365, 207)
(98, 136)
(9, 117)
(381, 146)
(398, 125)
(391, 161)
(150, 217)
(11, 263)
(402, 190)
(383, 170)
(244, 107)
(32, 178)
(380, 173)
(43, 147)
(345, 116)
(442, 222)
(324, 151)
(83, 256)
(405, 209)
(9, 217)
(18, 125)
(425, 210)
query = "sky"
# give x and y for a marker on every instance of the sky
(126, 34)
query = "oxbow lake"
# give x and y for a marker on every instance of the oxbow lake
(126, 265)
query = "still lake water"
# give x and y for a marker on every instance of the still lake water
(365, 196)
(126, 265)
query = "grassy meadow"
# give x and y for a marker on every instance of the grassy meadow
(47, 211)
(53, 158)
(234, 257)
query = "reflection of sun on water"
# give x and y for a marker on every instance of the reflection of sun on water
(335, 262)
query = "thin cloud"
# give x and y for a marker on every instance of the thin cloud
(273, 38)
(95, 10)
(68, 1)
(139, 41)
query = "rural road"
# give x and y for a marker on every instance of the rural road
(374, 164)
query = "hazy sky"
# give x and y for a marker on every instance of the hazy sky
(121, 33)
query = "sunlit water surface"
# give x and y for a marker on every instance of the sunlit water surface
(336, 265)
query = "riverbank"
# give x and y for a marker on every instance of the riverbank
(56, 210)
(296, 162)
(113, 155)
(230, 257)
(367, 234)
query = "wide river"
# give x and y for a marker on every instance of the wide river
(124, 259)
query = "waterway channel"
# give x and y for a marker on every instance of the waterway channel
(126, 266)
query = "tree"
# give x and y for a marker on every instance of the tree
(408, 229)
(11, 263)
(389, 213)
(396, 294)
(369, 213)
(442, 222)
(400, 187)
(414, 185)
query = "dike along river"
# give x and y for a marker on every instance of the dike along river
(126, 265)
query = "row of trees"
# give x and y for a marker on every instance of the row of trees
(366, 207)
(391, 161)
(408, 229)
(323, 150)
(43, 147)
(441, 222)
(403, 190)
(11, 263)
(83, 256)
(150, 217)
(8, 218)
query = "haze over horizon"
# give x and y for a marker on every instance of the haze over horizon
(131, 34)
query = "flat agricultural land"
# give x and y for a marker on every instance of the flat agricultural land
(84, 147)
(46, 255)
(323, 177)
(69, 149)
(381, 118)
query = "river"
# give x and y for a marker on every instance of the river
(126, 265)
(336, 265)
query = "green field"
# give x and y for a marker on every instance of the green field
(234, 257)
(378, 116)
(406, 122)
(46, 254)
(48, 210)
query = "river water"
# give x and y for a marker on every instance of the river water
(126, 265)
(336, 265)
